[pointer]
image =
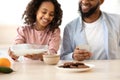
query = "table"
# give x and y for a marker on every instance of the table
(38, 70)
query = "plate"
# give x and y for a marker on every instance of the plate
(23, 49)
(91, 66)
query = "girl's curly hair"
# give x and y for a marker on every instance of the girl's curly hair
(32, 7)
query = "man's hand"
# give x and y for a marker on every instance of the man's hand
(81, 54)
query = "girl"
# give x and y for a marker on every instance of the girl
(42, 19)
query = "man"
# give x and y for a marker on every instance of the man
(97, 29)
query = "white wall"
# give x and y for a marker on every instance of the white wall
(70, 9)
(12, 10)
(111, 6)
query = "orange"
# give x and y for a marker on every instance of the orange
(5, 62)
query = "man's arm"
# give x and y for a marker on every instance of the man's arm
(66, 48)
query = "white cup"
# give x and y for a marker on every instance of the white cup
(84, 46)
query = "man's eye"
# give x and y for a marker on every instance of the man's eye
(52, 15)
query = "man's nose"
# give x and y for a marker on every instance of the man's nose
(85, 1)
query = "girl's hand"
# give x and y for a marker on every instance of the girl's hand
(11, 54)
(35, 56)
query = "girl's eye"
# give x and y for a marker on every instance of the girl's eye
(44, 12)
(50, 14)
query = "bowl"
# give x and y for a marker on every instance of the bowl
(51, 59)
(24, 49)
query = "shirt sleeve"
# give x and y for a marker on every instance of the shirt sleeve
(55, 41)
(20, 36)
(66, 48)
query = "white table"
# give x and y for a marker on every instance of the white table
(37, 70)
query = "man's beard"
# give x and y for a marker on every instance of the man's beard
(89, 13)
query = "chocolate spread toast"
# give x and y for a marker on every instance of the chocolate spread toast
(74, 65)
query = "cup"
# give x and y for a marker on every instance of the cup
(84, 46)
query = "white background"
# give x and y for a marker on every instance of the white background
(70, 9)
(12, 10)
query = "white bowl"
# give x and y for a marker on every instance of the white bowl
(23, 49)
(51, 59)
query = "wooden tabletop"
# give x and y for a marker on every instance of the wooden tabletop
(38, 70)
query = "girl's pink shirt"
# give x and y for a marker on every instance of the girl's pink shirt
(29, 35)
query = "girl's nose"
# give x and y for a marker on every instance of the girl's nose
(47, 16)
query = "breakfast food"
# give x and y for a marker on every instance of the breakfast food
(5, 69)
(73, 65)
(5, 65)
(5, 62)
